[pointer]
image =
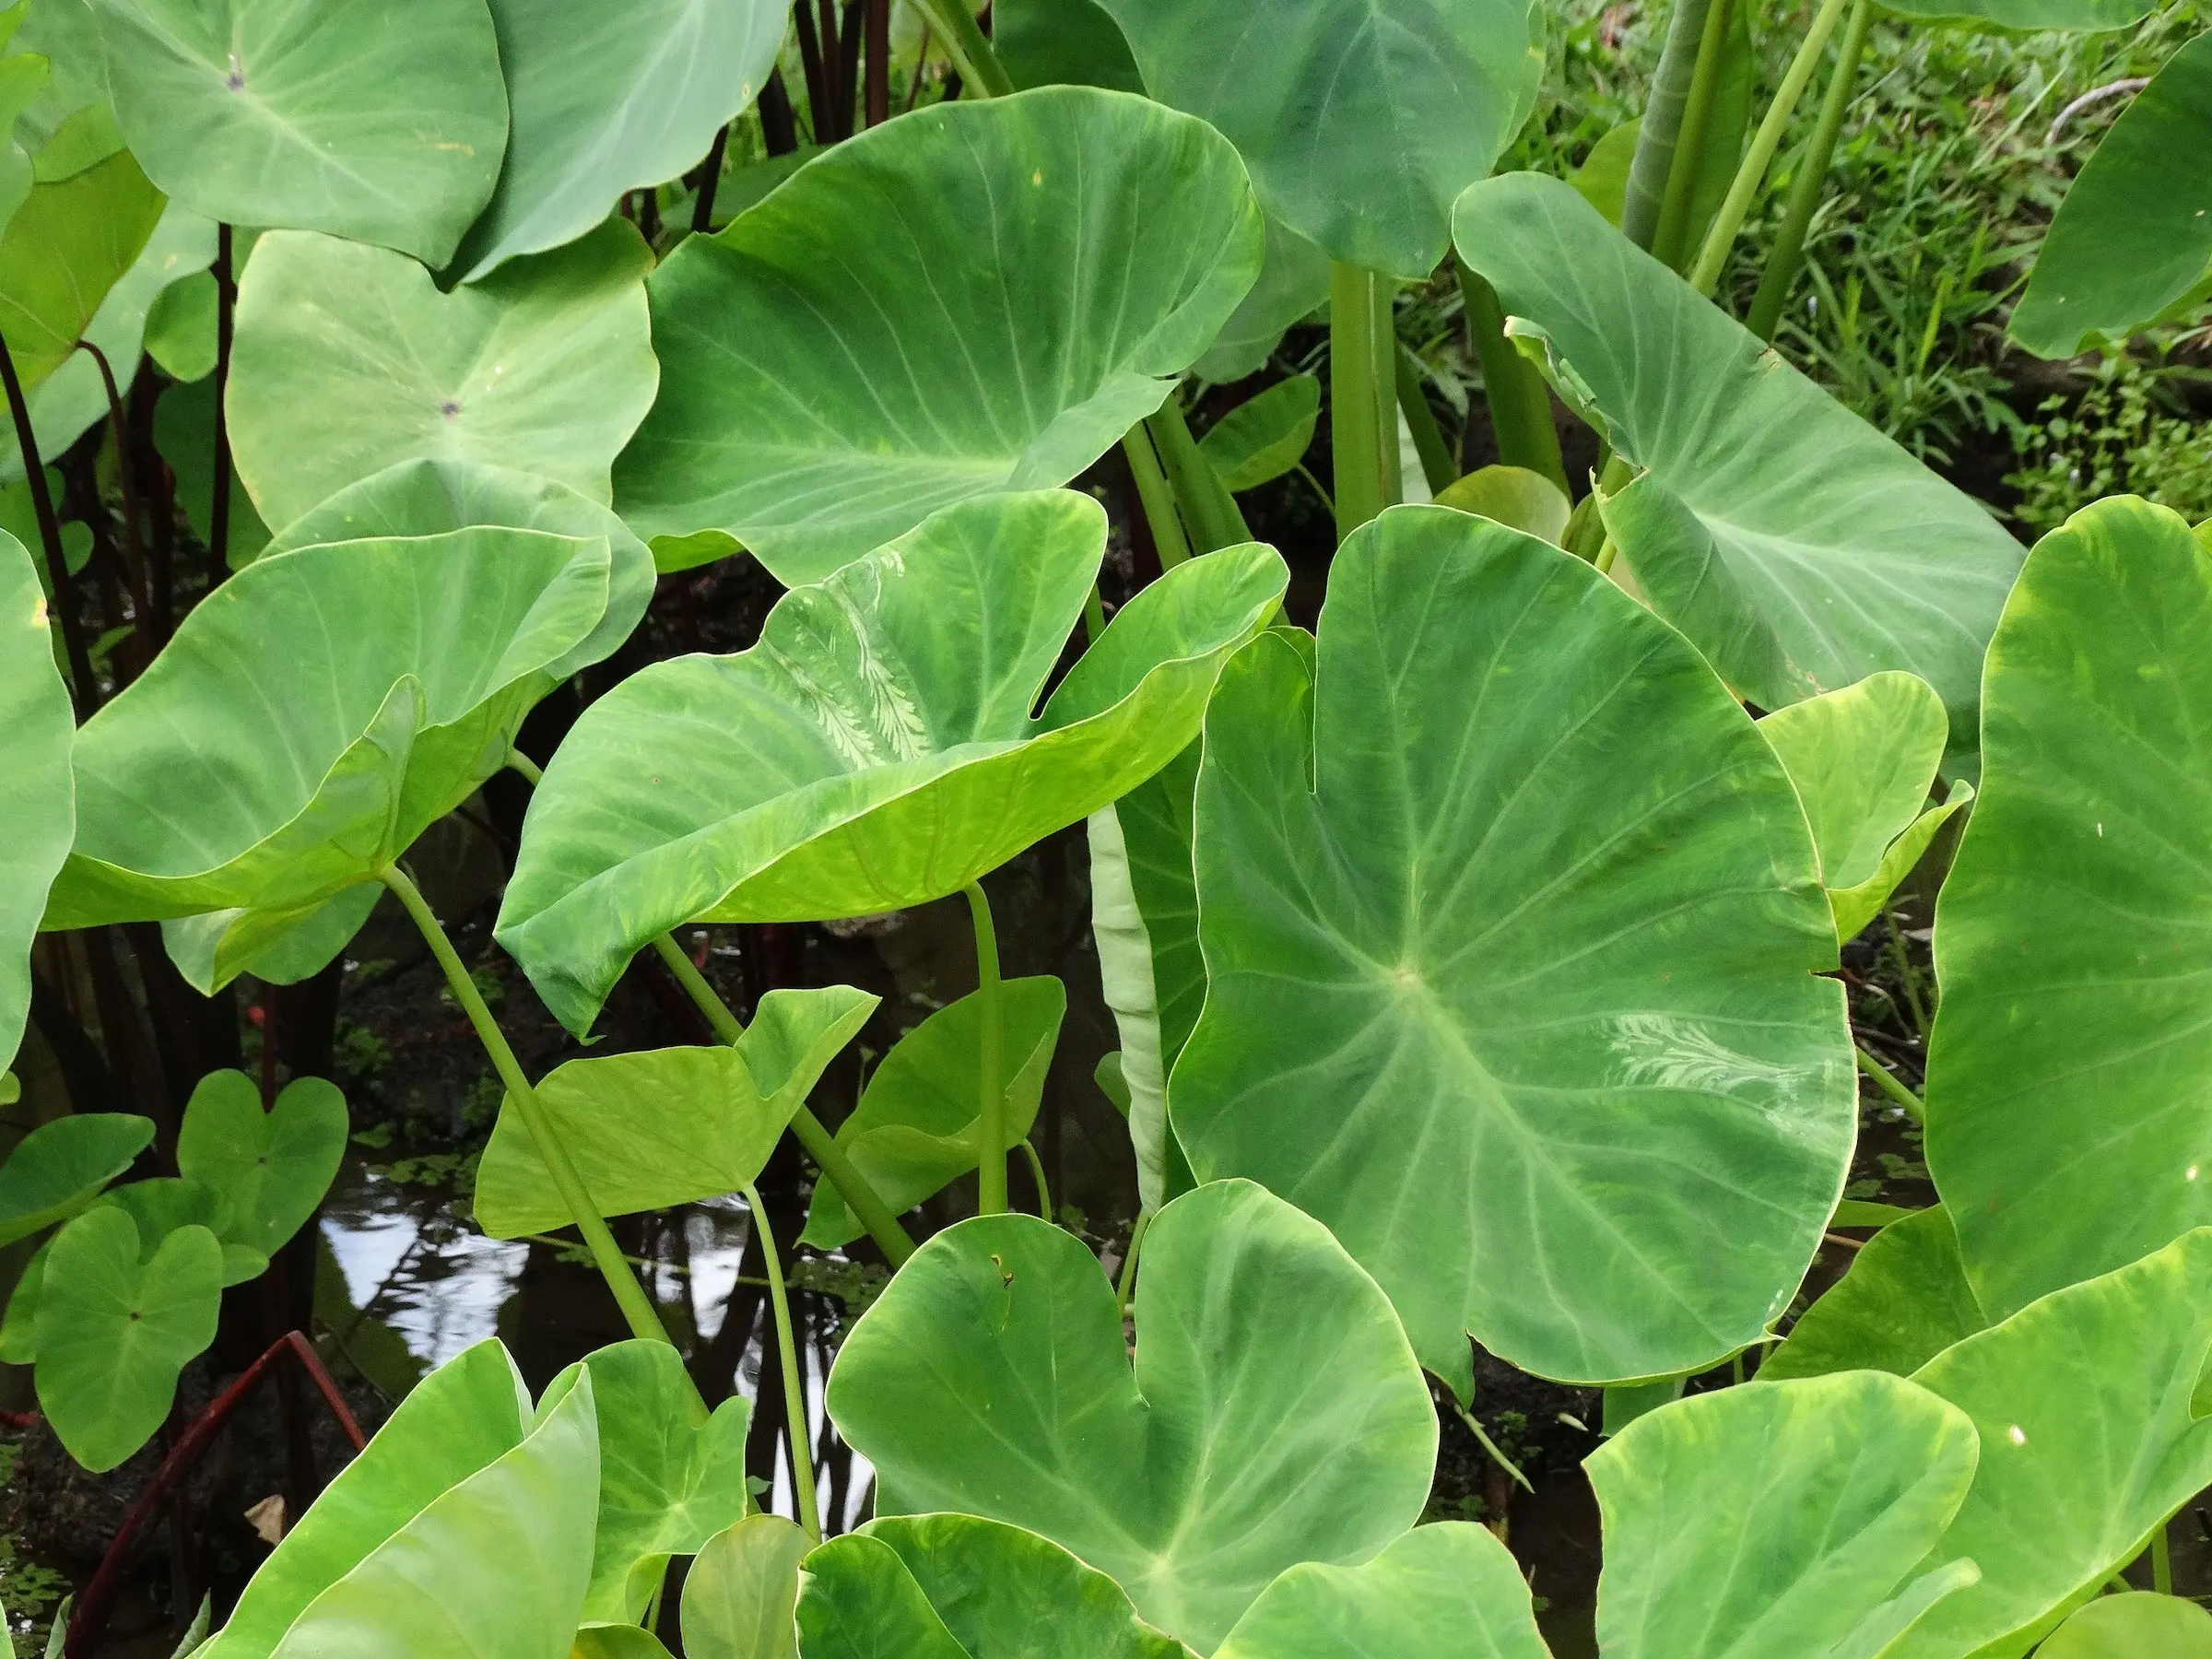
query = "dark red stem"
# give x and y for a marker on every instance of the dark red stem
(50, 532)
(218, 505)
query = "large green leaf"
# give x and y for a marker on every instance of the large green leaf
(1274, 1414)
(1800, 549)
(875, 750)
(1903, 1301)
(1774, 1521)
(459, 1420)
(669, 1126)
(2134, 235)
(741, 1592)
(916, 1130)
(65, 247)
(2136, 1624)
(605, 99)
(37, 728)
(493, 1569)
(60, 1168)
(273, 1166)
(1360, 119)
(346, 116)
(2086, 1404)
(1862, 759)
(2066, 1112)
(113, 1332)
(667, 1480)
(1451, 1590)
(349, 359)
(976, 299)
(315, 715)
(1522, 1002)
(913, 1584)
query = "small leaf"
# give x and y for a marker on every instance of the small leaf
(1274, 1414)
(1904, 1300)
(741, 1592)
(184, 433)
(180, 328)
(2137, 1625)
(1063, 43)
(65, 247)
(279, 948)
(916, 1130)
(60, 1168)
(1267, 435)
(1856, 907)
(2018, 16)
(1293, 282)
(273, 1166)
(114, 1333)
(1513, 496)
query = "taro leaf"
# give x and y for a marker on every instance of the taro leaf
(604, 99)
(669, 1126)
(742, 1589)
(74, 398)
(1521, 1004)
(963, 1586)
(667, 1481)
(349, 359)
(1862, 759)
(1603, 179)
(19, 1327)
(1063, 43)
(180, 328)
(37, 728)
(113, 1332)
(1076, 249)
(1769, 1522)
(1145, 919)
(2083, 1400)
(2133, 236)
(395, 673)
(495, 1568)
(617, 1641)
(1789, 589)
(1903, 1301)
(273, 1166)
(1360, 119)
(59, 1168)
(457, 1421)
(2066, 1116)
(875, 750)
(168, 1203)
(916, 1130)
(1274, 1415)
(2137, 1625)
(184, 433)
(2020, 17)
(1450, 1591)
(70, 124)
(1267, 435)
(349, 116)
(1293, 280)
(1513, 496)
(22, 76)
(66, 246)
(1854, 907)
(213, 948)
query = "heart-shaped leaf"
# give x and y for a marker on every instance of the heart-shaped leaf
(741, 1594)
(602, 99)
(667, 1481)
(1451, 1590)
(1265, 436)
(964, 1588)
(60, 1168)
(1293, 282)
(875, 750)
(348, 360)
(669, 1126)
(2133, 236)
(114, 1333)
(273, 1166)
(2131, 1627)
(1274, 1414)
(1777, 1521)
(315, 716)
(321, 114)
(37, 728)
(1077, 248)
(495, 1568)
(916, 1130)
(2085, 1404)
(2066, 1118)
(1790, 588)
(1360, 119)
(1513, 496)
(1522, 1003)
(461, 1419)
(167, 1204)
(1903, 1301)
(65, 247)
